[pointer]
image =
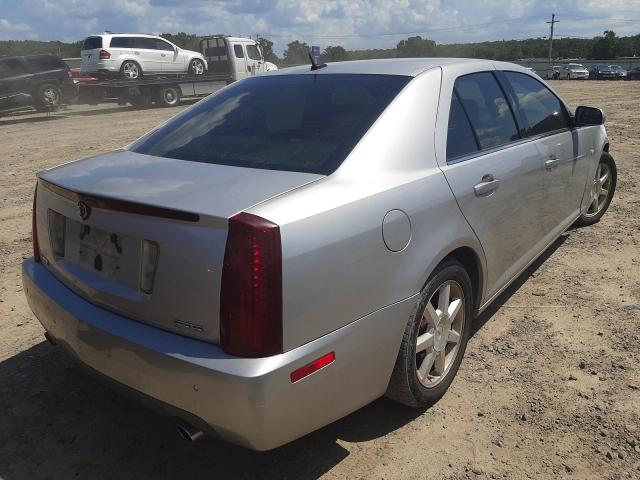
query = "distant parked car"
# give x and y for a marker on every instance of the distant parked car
(291, 248)
(573, 71)
(601, 71)
(133, 55)
(633, 74)
(619, 71)
(553, 73)
(39, 81)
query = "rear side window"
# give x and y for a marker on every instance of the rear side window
(45, 62)
(237, 49)
(304, 123)
(460, 137)
(92, 42)
(487, 109)
(541, 108)
(120, 42)
(11, 68)
(253, 53)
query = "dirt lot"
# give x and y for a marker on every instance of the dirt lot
(549, 387)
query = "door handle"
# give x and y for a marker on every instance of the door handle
(487, 186)
(163, 55)
(137, 53)
(551, 163)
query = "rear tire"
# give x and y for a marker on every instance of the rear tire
(48, 97)
(600, 201)
(169, 96)
(430, 354)
(130, 70)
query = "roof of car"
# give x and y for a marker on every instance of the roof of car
(391, 66)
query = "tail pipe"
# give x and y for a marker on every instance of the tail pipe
(189, 432)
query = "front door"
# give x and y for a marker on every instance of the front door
(495, 175)
(567, 156)
(254, 59)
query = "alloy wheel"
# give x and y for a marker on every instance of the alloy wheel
(599, 190)
(130, 70)
(197, 67)
(440, 332)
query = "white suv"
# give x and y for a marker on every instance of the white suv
(132, 55)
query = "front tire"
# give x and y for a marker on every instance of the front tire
(602, 189)
(196, 67)
(435, 338)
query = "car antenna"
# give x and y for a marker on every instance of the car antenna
(314, 65)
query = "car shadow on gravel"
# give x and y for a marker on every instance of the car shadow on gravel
(44, 118)
(57, 421)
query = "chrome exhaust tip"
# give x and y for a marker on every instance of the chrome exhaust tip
(189, 432)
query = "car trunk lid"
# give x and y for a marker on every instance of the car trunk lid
(119, 205)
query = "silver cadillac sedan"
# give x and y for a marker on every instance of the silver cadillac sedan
(304, 242)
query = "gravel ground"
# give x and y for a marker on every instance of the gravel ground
(549, 388)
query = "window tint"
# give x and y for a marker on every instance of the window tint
(460, 138)
(11, 68)
(253, 53)
(144, 42)
(42, 63)
(541, 108)
(162, 45)
(304, 123)
(237, 49)
(119, 42)
(487, 109)
(92, 42)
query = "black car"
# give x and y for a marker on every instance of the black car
(39, 81)
(601, 72)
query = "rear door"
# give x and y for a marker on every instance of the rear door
(565, 152)
(495, 176)
(145, 53)
(14, 77)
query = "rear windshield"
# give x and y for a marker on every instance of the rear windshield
(92, 42)
(304, 123)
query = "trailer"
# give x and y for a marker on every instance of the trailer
(164, 91)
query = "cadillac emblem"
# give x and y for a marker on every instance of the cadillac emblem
(84, 209)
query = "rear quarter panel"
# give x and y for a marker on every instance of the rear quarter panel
(336, 267)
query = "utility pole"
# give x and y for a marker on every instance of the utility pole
(552, 22)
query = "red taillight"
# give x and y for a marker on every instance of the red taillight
(251, 291)
(34, 228)
(314, 366)
(104, 55)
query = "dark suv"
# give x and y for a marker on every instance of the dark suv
(39, 81)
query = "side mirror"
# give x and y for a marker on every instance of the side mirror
(588, 116)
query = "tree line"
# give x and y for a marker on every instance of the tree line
(607, 46)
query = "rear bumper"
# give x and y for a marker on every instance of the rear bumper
(100, 66)
(251, 402)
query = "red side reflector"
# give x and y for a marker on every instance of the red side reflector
(314, 366)
(104, 55)
(34, 228)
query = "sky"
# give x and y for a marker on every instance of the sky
(350, 23)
